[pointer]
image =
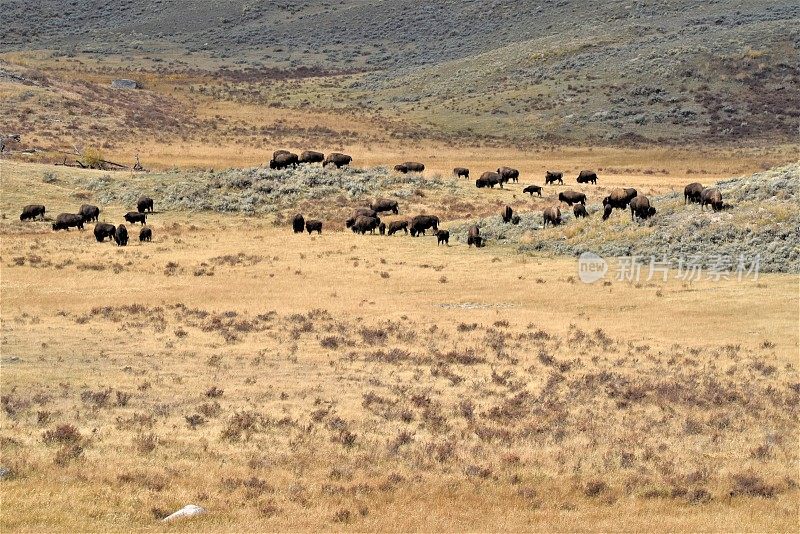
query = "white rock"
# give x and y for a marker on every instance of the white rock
(189, 510)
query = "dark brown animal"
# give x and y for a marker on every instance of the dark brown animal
(531, 189)
(314, 225)
(282, 159)
(507, 214)
(552, 216)
(31, 211)
(586, 177)
(692, 192)
(338, 159)
(65, 221)
(310, 156)
(421, 223)
(580, 211)
(145, 234)
(364, 224)
(552, 177)
(641, 208)
(384, 204)
(298, 223)
(134, 217)
(104, 230)
(121, 236)
(409, 166)
(279, 152)
(508, 174)
(442, 236)
(711, 196)
(89, 212)
(607, 209)
(396, 226)
(620, 198)
(461, 172)
(474, 236)
(489, 179)
(572, 197)
(382, 228)
(358, 212)
(144, 204)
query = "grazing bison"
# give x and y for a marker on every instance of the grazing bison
(314, 225)
(461, 172)
(121, 236)
(279, 152)
(283, 159)
(607, 209)
(298, 223)
(89, 212)
(31, 211)
(442, 236)
(711, 196)
(580, 211)
(358, 212)
(104, 230)
(692, 192)
(489, 179)
(421, 223)
(552, 216)
(338, 159)
(396, 226)
(474, 236)
(384, 204)
(552, 177)
(364, 224)
(586, 177)
(507, 214)
(409, 166)
(146, 234)
(134, 217)
(572, 197)
(382, 228)
(620, 198)
(508, 174)
(641, 208)
(310, 156)
(531, 189)
(65, 221)
(144, 204)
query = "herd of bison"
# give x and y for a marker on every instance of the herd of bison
(367, 219)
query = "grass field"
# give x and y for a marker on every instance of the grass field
(344, 382)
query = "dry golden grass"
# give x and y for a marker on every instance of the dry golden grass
(343, 382)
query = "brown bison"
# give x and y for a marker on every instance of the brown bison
(104, 230)
(508, 174)
(283, 159)
(572, 197)
(89, 212)
(145, 234)
(552, 177)
(507, 214)
(580, 211)
(382, 228)
(585, 177)
(364, 224)
(121, 236)
(310, 156)
(384, 204)
(359, 212)
(421, 223)
(65, 221)
(279, 153)
(31, 211)
(711, 196)
(692, 192)
(298, 223)
(338, 159)
(474, 236)
(641, 208)
(314, 225)
(442, 236)
(396, 226)
(489, 179)
(144, 204)
(607, 209)
(531, 189)
(461, 172)
(409, 166)
(620, 198)
(134, 217)
(552, 216)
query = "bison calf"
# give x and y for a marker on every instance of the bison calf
(442, 236)
(146, 234)
(461, 172)
(580, 211)
(134, 217)
(531, 189)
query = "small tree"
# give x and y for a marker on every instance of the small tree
(92, 158)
